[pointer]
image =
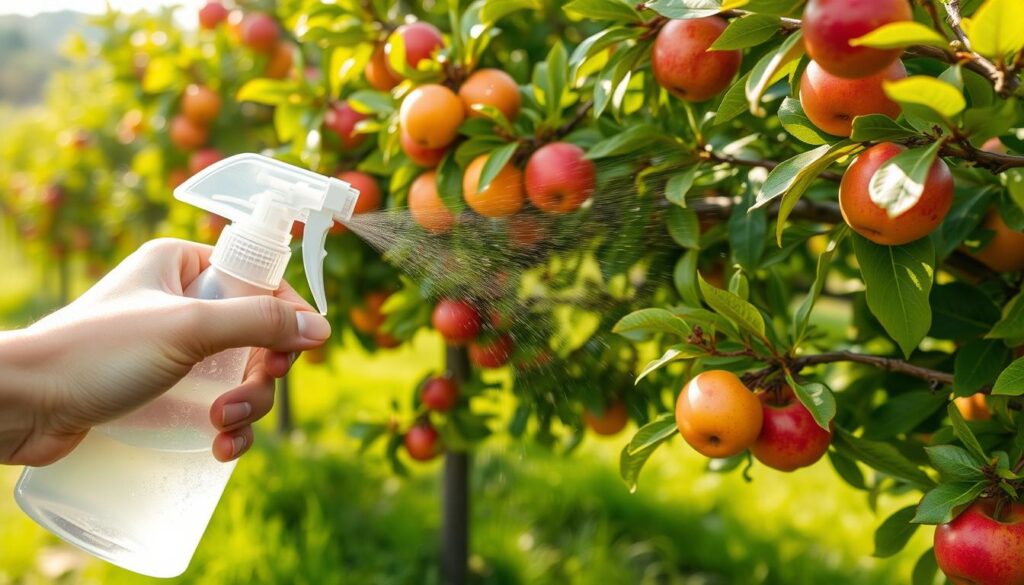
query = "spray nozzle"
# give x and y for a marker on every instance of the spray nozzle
(263, 197)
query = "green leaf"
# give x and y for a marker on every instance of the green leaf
(449, 184)
(925, 569)
(786, 175)
(921, 90)
(558, 77)
(734, 101)
(733, 308)
(1011, 380)
(939, 505)
(795, 175)
(642, 445)
(595, 44)
(626, 142)
(796, 122)
(771, 68)
(271, 92)
(749, 31)
(878, 128)
(961, 311)
(747, 234)
(901, 413)
(650, 321)
(898, 184)
(679, 184)
(893, 534)
(495, 163)
(367, 101)
(817, 398)
(883, 457)
(684, 277)
(964, 433)
(898, 280)
(614, 10)
(847, 469)
(954, 463)
(803, 312)
(978, 364)
(684, 227)
(685, 8)
(681, 351)
(995, 29)
(495, 10)
(739, 285)
(897, 35)
(1011, 324)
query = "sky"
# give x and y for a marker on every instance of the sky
(31, 7)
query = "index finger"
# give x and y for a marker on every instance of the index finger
(286, 293)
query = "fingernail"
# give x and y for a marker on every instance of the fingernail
(235, 412)
(237, 444)
(313, 326)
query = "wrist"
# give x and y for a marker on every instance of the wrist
(26, 390)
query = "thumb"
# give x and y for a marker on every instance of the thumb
(262, 321)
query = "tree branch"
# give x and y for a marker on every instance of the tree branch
(934, 377)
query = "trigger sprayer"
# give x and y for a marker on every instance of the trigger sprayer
(263, 197)
(140, 490)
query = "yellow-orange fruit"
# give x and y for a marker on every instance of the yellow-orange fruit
(491, 87)
(718, 415)
(431, 115)
(504, 196)
(426, 206)
(1005, 251)
(973, 407)
(200, 104)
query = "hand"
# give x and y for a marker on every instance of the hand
(132, 337)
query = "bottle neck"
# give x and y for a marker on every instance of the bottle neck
(246, 256)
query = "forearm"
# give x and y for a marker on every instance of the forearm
(23, 389)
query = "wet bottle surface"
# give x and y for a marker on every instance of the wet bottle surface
(139, 491)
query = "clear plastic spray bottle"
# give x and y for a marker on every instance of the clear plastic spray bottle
(140, 490)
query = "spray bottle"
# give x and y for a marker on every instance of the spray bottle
(139, 491)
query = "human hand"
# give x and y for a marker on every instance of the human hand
(133, 336)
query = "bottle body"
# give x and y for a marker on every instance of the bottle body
(139, 491)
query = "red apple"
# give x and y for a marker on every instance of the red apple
(559, 178)
(830, 25)
(493, 353)
(260, 32)
(341, 119)
(873, 222)
(440, 394)
(683, 64)
(421, 155)
(203, 158)
(420, 39)
(832, 102)
(423, 442)
(457, 321)
(789, 439)
(976, 549)
(212, 14)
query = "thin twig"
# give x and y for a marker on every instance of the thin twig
(934, 377)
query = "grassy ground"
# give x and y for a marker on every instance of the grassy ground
(309, 510)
